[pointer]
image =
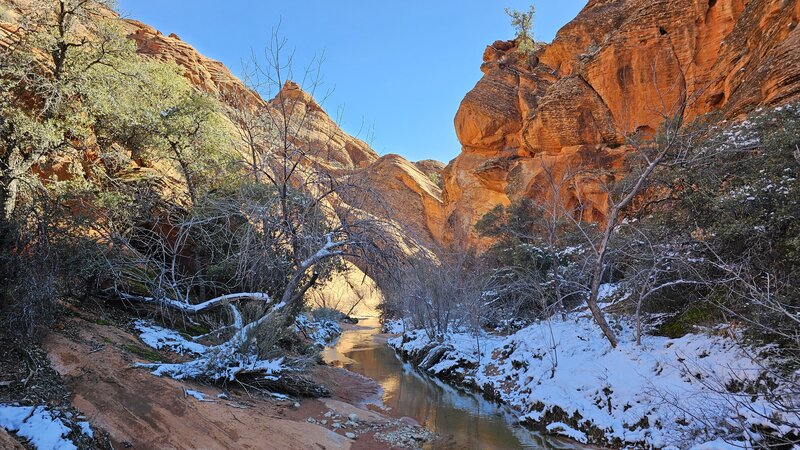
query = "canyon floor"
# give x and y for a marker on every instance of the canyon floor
(84, 373)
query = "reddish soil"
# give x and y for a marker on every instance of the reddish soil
(139, 410)
(8, 443)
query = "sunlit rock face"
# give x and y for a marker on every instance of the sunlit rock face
(619, 67)
(210, 75)
(404, 193)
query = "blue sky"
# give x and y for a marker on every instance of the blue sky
(399, 69)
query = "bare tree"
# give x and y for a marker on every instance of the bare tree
(244, 256)
(267, 239)
(440, 296)
(653, 266)
(671, 146)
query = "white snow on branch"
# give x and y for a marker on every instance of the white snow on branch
(221, 362)
(189, 308)
(158, 338)
(219, 367)
(326, 251)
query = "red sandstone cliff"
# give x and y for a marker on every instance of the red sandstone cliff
(610, 72)
(613, 70)
(402, 192)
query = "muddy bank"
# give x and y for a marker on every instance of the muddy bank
(140, 410)
(135, 409)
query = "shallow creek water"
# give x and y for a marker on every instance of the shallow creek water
(465, 420)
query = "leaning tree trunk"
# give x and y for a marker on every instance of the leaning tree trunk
(597, 313)
(597, 277)
(8, 232)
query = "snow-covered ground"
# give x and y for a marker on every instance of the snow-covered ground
(321, 331)
(566, 378)
(43, 429)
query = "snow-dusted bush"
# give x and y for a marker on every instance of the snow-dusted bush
(537, 261)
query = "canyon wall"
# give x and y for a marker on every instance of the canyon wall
(401, 192)
(618, 68)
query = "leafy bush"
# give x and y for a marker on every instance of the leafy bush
(522, 21)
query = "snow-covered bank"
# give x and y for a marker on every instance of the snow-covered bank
(563, 377)
(44, 429)
(320, 331)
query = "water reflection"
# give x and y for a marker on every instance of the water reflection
(466, 421)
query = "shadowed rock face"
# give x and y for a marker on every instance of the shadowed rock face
(617, 68)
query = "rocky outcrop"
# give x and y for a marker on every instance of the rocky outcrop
(431, 168)
(402, 192)
(210, 75)
(319, 132)
(618, 68)
(405, 195)
(324, 140)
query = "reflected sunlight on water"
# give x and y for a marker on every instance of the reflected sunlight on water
(466, 421)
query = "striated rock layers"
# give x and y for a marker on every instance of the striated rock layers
(616, 69)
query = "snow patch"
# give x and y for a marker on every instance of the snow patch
(158, 338)
(719, 444)
(197, 394)
(278, 395)
(566, 430)
(86, 429)
(393, 327)
(42, 429)
(321, 331)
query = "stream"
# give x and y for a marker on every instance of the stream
(464, 420)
